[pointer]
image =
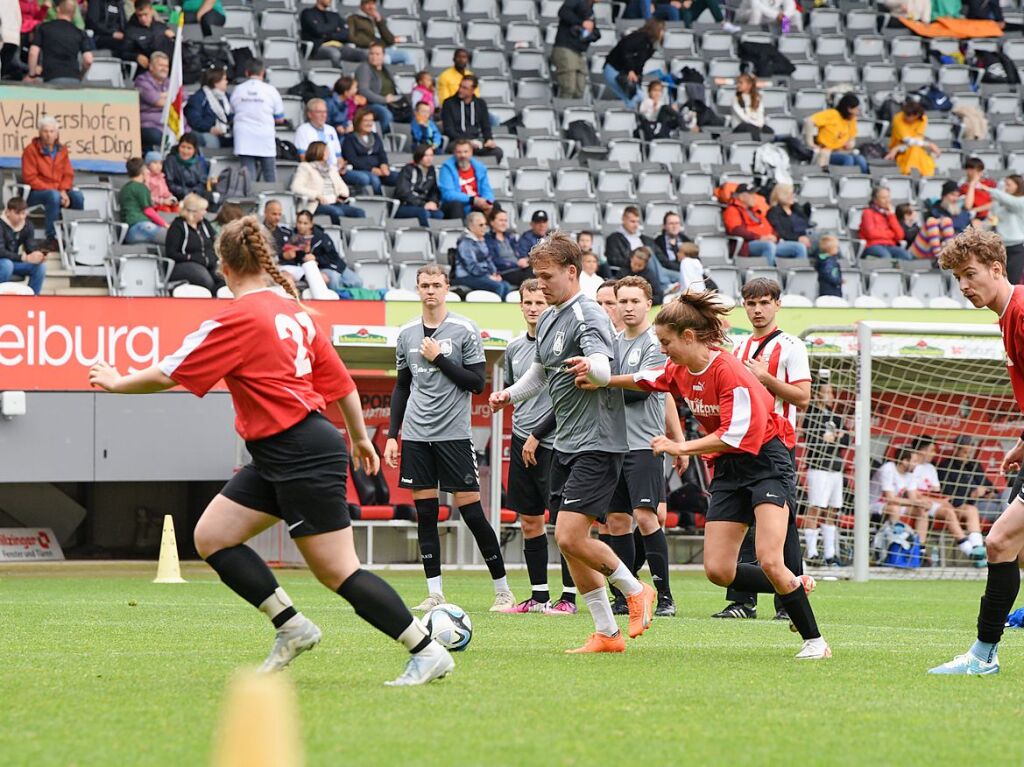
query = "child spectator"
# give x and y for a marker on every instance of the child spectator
(830, 274)
(424, 91)
(423, 129)
(343, 103)
(649, 106)
(136, 204)
(691, 268)
(590, 280)
(975, 188)
(156, 182)
(640, 266)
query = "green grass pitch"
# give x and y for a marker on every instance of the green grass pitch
(102, 667)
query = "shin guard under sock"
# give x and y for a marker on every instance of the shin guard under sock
(427, 512)
(656, 545)
(244, 572)
(1000, 593)
(751, 579)
(535, 552)
(798, 606)
(377, 603)
(486, 538)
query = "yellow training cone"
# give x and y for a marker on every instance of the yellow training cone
(168, 569)
(259, 724)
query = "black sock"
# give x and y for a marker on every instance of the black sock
(656, 545)
(1000, 594)
(798, 606)
(751, 579)
(429, 539)
(244, 572)
(623, 547)
(567, 583)
(640, 551)
(748, 556)
(792, 555)
(535, 551)
(376, 603)
(486, 538)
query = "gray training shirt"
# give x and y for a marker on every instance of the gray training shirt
(586, 420)
(438, 410)
(527, 416)
(645, 419)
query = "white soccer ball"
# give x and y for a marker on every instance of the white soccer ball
(450, 626)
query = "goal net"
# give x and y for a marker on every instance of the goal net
(916, 418)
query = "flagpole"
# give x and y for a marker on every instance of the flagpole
(174, 93)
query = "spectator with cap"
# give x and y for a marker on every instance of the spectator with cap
(465, 116)
(316, 129)
(258, 110)
(880, 229)
(364, 151)
(367, 27)
(20, 254)
(464, 183)
(46, 168)
(950, 205)
(474, 267)
(328, 33)
(66, 50)
(449, 80)
(539, 227)
(743, 218)
(208, 110)
(576, 31)
(145, 34)
(377, 86)
(152, 86)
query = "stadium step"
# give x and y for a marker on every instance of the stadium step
(80, 292)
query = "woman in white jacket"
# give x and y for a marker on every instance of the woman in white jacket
(748, 109)
(768, 11)
(1008, 209)
(320, 186)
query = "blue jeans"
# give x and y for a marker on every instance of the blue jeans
(382, 115)
(485, 283)
(416, 211)
(772, 250)
(339, 209)
(268, 170)
(36, 272)
(145, 231)
(887, 251)
(365, 178)
(398, 56)
(50, 200)
(611, 75)
(209, 141)
(845, 158)
(337, 281)
(665, 277)
(641, 9)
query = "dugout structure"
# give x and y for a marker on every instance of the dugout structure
(897, 382)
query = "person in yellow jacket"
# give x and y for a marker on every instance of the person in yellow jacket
(448, 81)
(907, 143)
(835, 130)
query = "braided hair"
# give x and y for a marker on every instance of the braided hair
(244, 245)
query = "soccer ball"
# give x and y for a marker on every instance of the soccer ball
(450, 626)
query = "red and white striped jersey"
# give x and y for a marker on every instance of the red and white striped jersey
(1011, 323)
(725, 398)
(278, 364)
(786, 357)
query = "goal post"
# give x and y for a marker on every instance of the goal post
(896, 385)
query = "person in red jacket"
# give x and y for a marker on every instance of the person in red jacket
(46, 168)
(742, 219)
(881, 230)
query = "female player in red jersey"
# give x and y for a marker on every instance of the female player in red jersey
(282, 372)
(753, 471)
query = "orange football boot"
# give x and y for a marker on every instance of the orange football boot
(641, 610)
(598, 642)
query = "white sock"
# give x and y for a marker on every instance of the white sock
(965, 546)
(976, 539)
(276, 604)
(811, 539)
(568, 589)
(413, 635)
(625, 581)
(434, 585)
(500, 584)
(601, 610)
(828, 539)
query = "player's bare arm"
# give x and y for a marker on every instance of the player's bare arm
(702, 446)
(796, 394)
(363, 452)
(148, 381)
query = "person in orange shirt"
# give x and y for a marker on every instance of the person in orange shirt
(46, 168)
(743, 219)
(907, 143)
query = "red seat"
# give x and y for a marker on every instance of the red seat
(699, 520)
(508, 516)
(672, 519)
(377, 513)
(444, 515)
(846, 521)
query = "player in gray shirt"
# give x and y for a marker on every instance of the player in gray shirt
(574, 343)
(440, 363)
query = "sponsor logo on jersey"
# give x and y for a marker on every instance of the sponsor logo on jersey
(698, 387)
(446, 347)
(698, 407)
(559, 343)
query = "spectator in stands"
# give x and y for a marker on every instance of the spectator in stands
(449, 80)
(343, 103)
(20, 254)
(10, 40)
(156, 182)
(78, 19)
(33, 13)
(316, 129)
(464, 183)
(474, 267)
(1008, 207)
(880, 229)
(229, 211)
(136, 204)
(187, 171)
(576, 31)
(329, 34)
(624, 66)
(367, 26)
(585, 239)
(640, 265)
(651, 105)
(748, 109)
(152, 86)
(975, 188)
(744, 218)
(465, 116)
(206, 13)
(60, 43)
(107, 22)
(691, 268)
(909, 220)
(950, 205)
(627, 238)
(46, 168)
(377, 86)
(827, 264)
(785, 12)
(273, 213)
(364, 151)
(417, 191)
(590, 280)
(692, 10)
(144, 35)
(986, 9)
(423, 129)
(930, 238)
(671, 239)
(321, 187)
(834, 132)
(208, 110)
(423, 92)
(539, 227)
(310, 239)
(258, 109)
(513, 266)
(791, 222)
(190, 243)
(907, 143)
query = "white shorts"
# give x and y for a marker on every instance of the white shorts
(824, 489)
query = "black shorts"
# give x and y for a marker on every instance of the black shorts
(743, 481)
(1018, 487)
(448, 464)
(298, 475)
(529, 486)
(641, 482)
(584, 482)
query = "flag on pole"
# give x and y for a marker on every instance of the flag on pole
(173, 117)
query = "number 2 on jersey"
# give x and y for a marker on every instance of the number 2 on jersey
(292, 327)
